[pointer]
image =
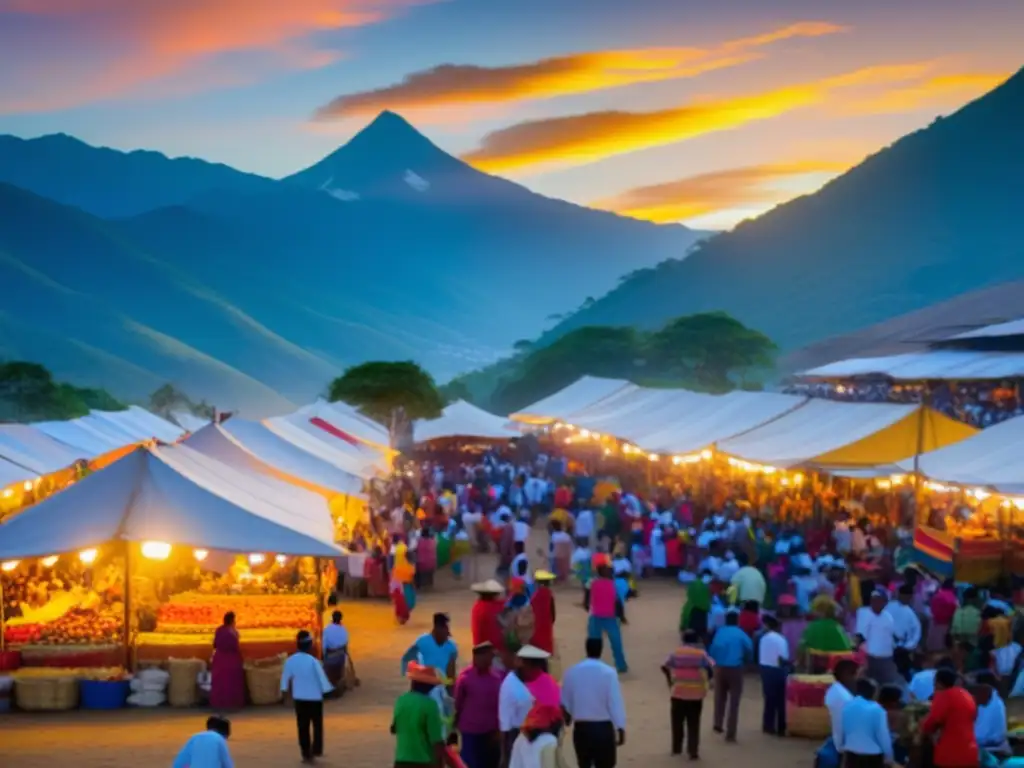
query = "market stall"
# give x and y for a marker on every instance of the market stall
(585, 392)
(141, 561)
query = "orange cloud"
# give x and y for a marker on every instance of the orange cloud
(940, 91)
(593, 136)
(131, 43)
(450, 84)
(749, 186)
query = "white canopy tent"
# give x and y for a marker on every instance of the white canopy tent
(992, 458)
(176, 495)
(11, 473)
(35, 450)
(251, 445)
(357, 458)
(342, 418)
(727, 416)
(84, 437)
(140, 424)
(638, 412)
(1010, 328)
(560, 406)
(817, 428)
(462, 419)
(946, 364)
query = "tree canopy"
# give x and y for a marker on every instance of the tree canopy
(168, 399)
(711, 352)
(393, 393)
(28, 392)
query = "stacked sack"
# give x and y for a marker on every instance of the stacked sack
(149, 688)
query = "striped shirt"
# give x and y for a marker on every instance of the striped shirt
(688, 667)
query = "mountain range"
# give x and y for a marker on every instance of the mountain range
(933, 216)
(130, 269)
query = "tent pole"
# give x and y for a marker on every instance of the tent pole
(127, 606)
(319, 601)
(3, 616)
(918, 450)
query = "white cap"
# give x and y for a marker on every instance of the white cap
(533, 652)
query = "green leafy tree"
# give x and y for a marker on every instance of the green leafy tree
(168, 399)
(710, 348)
(456, 389)
(393, 393)
(28, 392)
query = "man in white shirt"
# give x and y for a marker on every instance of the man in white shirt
(303, 680)
(906, 629)
(514, 704)
(865, 736)
(335, 650)
(839, 694)
(773, 655)
(593, 700)
(922, 684)
(584, 528)
(876, 632)
(990, 725)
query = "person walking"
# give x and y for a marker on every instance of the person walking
(592, 700)
(476, 710)
(876, 631)
(602, 602)
(227, 686)
(774, 660)
(688, 670)
(335, 651)
(303, 681)
(208, 749)
(416, 722)
(865, 738)
(731, 650)
(953, 712)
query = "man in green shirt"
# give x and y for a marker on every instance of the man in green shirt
(416, 723)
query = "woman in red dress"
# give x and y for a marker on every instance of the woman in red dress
(227, 686)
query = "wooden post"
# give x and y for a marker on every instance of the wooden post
(128, 606)
(918, 450)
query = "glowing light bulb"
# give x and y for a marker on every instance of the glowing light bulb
(9, 566)
(705, 454)
(156, 550)
(256, 559)
(281, 559)
(27, 486)
(199, 554)
(88, 556)
(653, 456)
(49, 562)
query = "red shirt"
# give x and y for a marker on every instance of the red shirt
(750, 621)
(563, 498)
(543, 603)
(485, 625)
(953, 712)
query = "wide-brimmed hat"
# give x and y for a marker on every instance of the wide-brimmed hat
(489, 587)
(419, 673)
(533, 652)
(544, 576)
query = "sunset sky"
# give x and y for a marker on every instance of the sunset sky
(705, 112)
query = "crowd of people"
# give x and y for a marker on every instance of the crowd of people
(774, 584)
(979, 403)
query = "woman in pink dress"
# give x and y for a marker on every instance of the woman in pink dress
(227, 687)
(943, 606)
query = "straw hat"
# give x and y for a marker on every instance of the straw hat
(544, 576)
(489, 587)
(418, 673)
(533, 652)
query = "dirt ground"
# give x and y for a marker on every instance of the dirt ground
(357, 725)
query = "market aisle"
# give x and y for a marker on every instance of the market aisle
(357, 726)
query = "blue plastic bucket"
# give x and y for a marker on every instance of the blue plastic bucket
(103, 694)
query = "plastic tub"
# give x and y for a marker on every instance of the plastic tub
(103, 694)
(10, 661)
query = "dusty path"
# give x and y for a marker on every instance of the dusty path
(357, 726)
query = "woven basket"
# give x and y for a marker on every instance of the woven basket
(182, 689)
(46, 694)
(808, 722)
(264, 683)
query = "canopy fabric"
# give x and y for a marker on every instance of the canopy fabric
(88, 439)
(164, 494)
(991, 458)
(945, 364)
(362, 460)
(140, 424)
(344, 419)
(826, 432)
(560, 406)
(249, 444)
(1011, 328)
(728, 415)
(35, 450)
(462, 419)
(188, 421)
(11, 473)
(636, 413)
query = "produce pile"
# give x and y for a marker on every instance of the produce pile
(104, 674)
(201, 636)
(194, 613)
(78, 626)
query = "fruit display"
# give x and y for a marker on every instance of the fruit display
(82, 626)
(201, 636)
(99, 674)
(192, 613)
(23, 634)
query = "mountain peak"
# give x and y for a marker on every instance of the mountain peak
(390, 132)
